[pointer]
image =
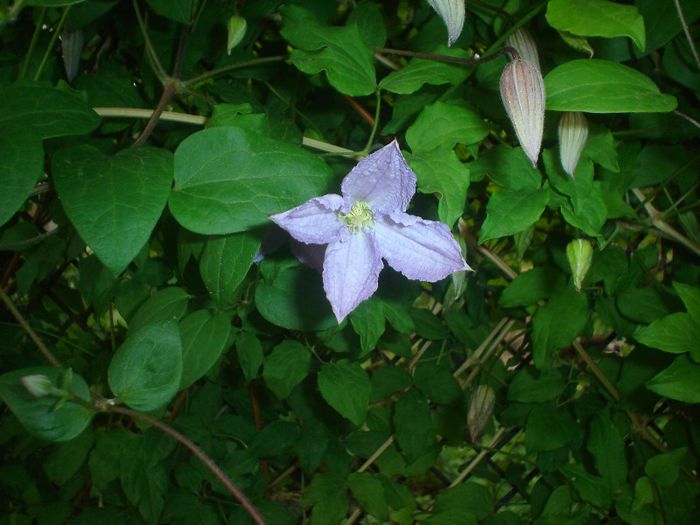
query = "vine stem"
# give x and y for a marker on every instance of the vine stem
(199, 453)
(686, 30)
(475, 60)
(517, 25)
(158, 68)
(32, 43)
(232, 67)
(52, 43)
(375, 123)
(28, 329)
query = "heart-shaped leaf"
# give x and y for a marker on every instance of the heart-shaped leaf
(113, 202)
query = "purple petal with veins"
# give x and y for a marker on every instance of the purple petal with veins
(314, 222)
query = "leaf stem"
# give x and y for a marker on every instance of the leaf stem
(688, 36)
(158, 68)
(375, 124)
(475, 60)
(517, 25)
(52, 43)
(612, 390)
(232, 67)
(28, 329)
(199, 453)
(32, 43)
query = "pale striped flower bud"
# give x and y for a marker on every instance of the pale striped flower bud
(579, 252)
(452, 13)
(523, 95)
(237, 27)
(524, 44)
(573, 133)
(481, 404)
(38, 385)
(72, 48)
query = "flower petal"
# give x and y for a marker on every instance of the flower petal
(351, 272)
(419, 249)
(383, 180)
(314, 222)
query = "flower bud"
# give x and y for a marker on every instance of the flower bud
(522, 93)
(579, 252)
(573, 133)
(452, 13)
(72, 48)
(38, 385)
(524, 44)
(481, 404)
(237, 27)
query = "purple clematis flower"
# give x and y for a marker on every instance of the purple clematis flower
(368, 223)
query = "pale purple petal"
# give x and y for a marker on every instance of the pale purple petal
(383, 180)
(351, 272)
(314, 222)
(311, 255)
(420, 249)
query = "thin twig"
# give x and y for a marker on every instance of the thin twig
(686, 30)
(52, 43)
(158, 68)
(28, 329)
(32, 43)
(232, 67)
(479, 457)
(172, 116)
(612, 390)
(688, 118)
(206, 460)
(475, 60)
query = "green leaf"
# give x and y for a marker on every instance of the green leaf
(339, 51)
(556, 324)
(507, 167)
(662, 22)
(146, 369)
(177, 10)
(597, 18)
(532, 386)
(327, 493)
(65, 461)
(676, 333)
(21, 167)
(439, 171)
(466, 499)
(113, 202)
(168, 304)
(419, 71)
(680, 381)
(346, 387)
(368, 490)
(52, 3)
(369, 323)
(295, 300)
(250, 354)
(607, 446)
(528, 288)
(413, 425)
(44, 416)
(512, 211)
(286, 367)
(225, 262)
(665, 468)
(548, 428)
(211, 197)
(204, 337)
(690, 295)
(443, 125)
(602, 86)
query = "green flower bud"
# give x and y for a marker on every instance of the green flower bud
(452, 13)
(524, 44)
(237, 27)
(573, 133)
(579, 252)
(38, 385)
(523, 96)
(481, 404)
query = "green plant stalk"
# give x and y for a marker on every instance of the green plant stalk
(52, 43)
(232, 67)
(158, 68)
(688, 36)
(517, 25)
(375, 125)
(32, 43)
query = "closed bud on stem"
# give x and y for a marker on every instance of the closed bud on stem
(452, 13)
(523, 96)
(524, 44)
(481, 404)
(72, 48)
(579, 252)
(38, 385)
(237, 27)
(573, 133)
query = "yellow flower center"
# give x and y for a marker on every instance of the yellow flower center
(360, 216)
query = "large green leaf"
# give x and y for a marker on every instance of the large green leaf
(113, 202)
(419, 71)
(512, 211)
(508, 167)
(168, 304)
(42, 416)
(229, 180)
(413, 423)
(204, 337)
(440, 171)
(21, 167)
(602, 86)
(680, 381)
(177, 10)
(225, 262)
(443, 125)
(690, 295)
(346, 387)
(597, 18)
(662, 22)
(286, 367)
(676, 333)
(339, 51)
(146, 369)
